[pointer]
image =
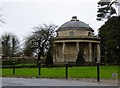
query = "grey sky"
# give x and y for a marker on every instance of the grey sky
(22, 15)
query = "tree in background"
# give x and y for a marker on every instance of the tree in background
(49, 58)
(39, 42)
(28, 49)
(15, 46)
(6, 45)
(10, 45)
(110, 39)
(106, 9)
(109, 32)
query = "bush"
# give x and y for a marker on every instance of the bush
(7, 63)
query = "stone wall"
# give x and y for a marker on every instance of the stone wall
(75, 33)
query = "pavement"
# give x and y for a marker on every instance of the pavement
(53, 82)
(0, 82)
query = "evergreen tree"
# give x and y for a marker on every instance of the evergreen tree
(49, 58)
(110, 39)
(10, 45)
(106, 9)
(80, 60)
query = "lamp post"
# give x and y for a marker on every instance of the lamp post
(39, 68)
(13, 67)
(66, 70)
(98, 71)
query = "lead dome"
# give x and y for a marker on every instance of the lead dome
(75, 24)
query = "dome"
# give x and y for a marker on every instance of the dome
(75, 24)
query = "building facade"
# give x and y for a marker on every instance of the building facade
(73, 38)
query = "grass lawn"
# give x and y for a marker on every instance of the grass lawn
(0, 72)
(73, 72)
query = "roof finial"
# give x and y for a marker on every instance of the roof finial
(74, 18)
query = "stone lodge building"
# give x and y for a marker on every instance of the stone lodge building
(75, 37)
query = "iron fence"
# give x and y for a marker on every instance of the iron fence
(67, 70)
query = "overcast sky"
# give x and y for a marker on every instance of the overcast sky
(22, 15)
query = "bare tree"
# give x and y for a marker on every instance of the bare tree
(39, 41)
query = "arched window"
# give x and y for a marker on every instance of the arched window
(57, 34)
(89, 34)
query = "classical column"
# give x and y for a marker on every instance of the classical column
(90, 52)
(98, 52)
(63, 52)
(77, 47)
(55, 53)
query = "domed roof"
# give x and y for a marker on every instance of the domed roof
(75, 24)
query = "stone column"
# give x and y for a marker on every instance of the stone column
(77, 46)
(55, 53)
(77, 49)
(98, 52)
(63, 52)
(90, 52)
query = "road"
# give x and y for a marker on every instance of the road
(48, 82)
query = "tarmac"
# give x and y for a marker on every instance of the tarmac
(6, 81)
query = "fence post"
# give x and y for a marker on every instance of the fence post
(98, 71)
(13, 67)
(39, 68)
(66, 70)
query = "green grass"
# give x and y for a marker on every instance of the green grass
(0, 72)
(74, 72)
